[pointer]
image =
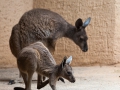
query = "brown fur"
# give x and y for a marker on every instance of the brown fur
(46, 26)
(37, 58)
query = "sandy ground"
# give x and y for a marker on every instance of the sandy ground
(87, 78)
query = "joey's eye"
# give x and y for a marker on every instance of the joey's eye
(69, 73)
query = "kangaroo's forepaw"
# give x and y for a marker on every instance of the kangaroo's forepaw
(61, 80)
(39, 87)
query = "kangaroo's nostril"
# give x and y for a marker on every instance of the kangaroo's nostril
(85, 50)
(73, 80)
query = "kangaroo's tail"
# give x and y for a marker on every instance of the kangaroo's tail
(14, 41)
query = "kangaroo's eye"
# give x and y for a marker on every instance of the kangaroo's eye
(81, 39)
(69, 73)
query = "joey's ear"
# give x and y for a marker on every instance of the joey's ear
(78, 23)
(69, 60)
(87, 22)
(63, 62)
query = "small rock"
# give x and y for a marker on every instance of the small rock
(11, 82)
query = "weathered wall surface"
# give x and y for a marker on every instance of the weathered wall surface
(117, 31)
(10, 13)
(101, 31)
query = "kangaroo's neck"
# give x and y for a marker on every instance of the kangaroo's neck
(56, 71)
(70, 31)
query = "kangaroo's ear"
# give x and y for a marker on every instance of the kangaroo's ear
(69, 60)
(78, 23)
(87, 22)
(63, 63)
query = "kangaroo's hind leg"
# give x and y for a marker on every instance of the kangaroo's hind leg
(25, 78)
(28, 83)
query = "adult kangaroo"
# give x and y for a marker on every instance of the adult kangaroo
(46, 26)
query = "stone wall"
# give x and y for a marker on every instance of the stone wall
(117, 32)
(103, 31)
(10, 13)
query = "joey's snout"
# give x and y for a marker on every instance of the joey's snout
(72, 80)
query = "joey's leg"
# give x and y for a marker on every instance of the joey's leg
(28, 86)
(52, 82)
(43, 84)
(53, 87)
(25, 78)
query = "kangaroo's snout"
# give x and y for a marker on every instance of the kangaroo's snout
(73, 80)
(85, 50)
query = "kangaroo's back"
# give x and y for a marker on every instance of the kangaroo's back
(37, 25)
(42, 23)
(43, 51)
(36, 57)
